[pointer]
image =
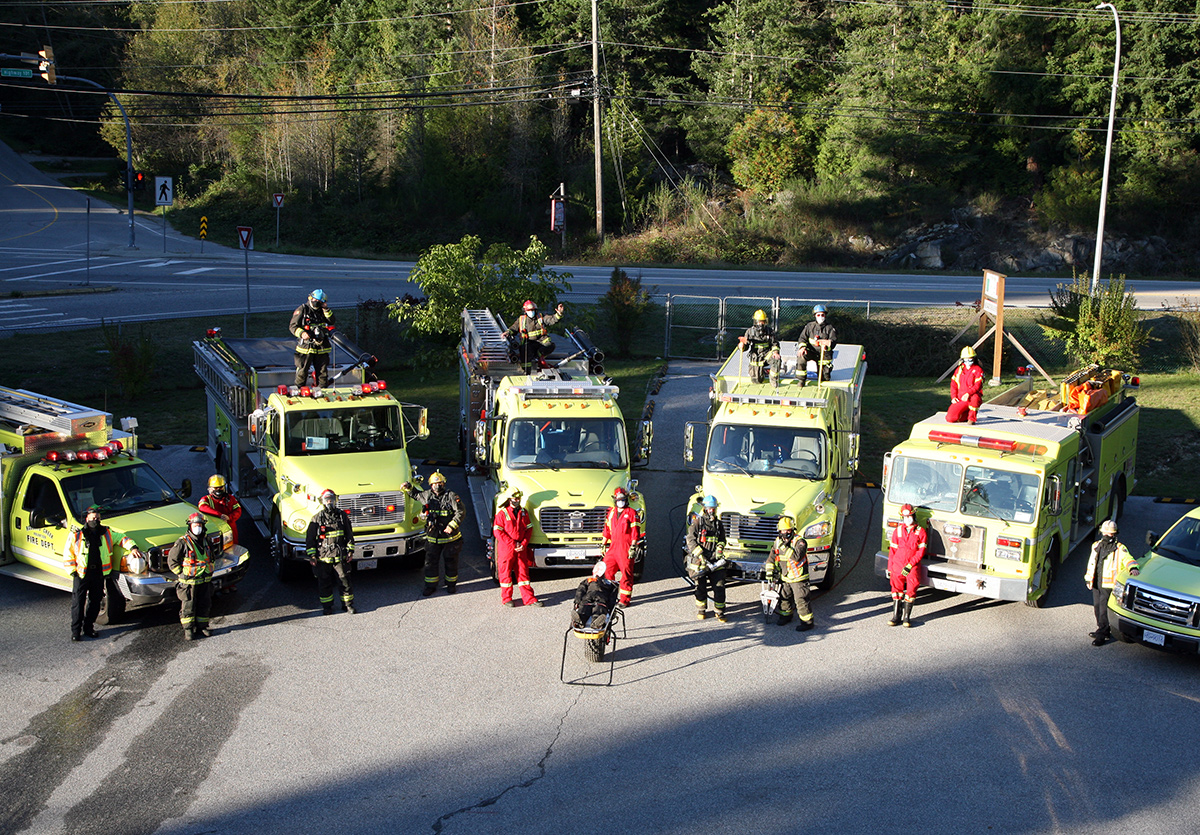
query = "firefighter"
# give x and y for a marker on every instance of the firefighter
(593, 599)
(443, 531)
(966, 387)
(706, 555)
(311, 324)
(329, 544)
(512, 531)
(533, 331)
(89, 560)
(622, 533)
(760, 340)
(218, 501)
(788, 564)
(192, 558)
(906, 549)
(1108, 558)
(817, 341)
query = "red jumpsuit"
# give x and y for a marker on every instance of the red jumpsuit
(966, 387)
(219, 506)
(907, 548)
(511, 529)
(621, 530)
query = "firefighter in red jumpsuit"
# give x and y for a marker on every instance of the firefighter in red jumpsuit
(221, 503)
(966, 387)
(512, 531)
(905, 552)
(622, 532)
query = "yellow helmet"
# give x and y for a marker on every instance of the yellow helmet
(967, 353)
(437, 478)
(785, 524)
(217, 481)
(760, 316)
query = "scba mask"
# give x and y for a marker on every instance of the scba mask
(621, 503)
(197, 529)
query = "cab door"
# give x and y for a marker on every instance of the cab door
(39, 524)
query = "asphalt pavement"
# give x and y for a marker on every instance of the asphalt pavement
(446, 714)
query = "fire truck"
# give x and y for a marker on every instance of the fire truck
(556, 432)
(787, 447)
(57, 459)
(1004, 501)
(280, 445)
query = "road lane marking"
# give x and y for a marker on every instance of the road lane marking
(198, 270)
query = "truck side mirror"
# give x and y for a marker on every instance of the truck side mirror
(689, 442)
(853, 460)
(645, 440)
(1054, 499)
(185, 489)
(37, 519)
(421, 429)
(481, 445)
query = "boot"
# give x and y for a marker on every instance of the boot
(201, 632)
(509, 604)
(349, 607)
(896, 605)
(804, 625)
(450, 588)
(784, 620)
(327, 609)
(187, 634)
(701, 613)
(429, 589)
(721, 616)
(907, 618)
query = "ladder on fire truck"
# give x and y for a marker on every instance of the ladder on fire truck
(484, 344)
(24, 415)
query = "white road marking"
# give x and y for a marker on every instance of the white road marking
(197, 270)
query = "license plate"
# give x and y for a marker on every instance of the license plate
(1152, 637)
(578, 554)
(363, 565)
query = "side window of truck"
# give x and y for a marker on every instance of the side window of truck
(43, 503)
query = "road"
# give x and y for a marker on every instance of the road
(446, 714)
(44, 245)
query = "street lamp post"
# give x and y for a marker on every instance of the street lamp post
(1112, 111)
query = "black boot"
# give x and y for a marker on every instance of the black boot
(428, 590)
(907, 618)
(349, 607)
(804, 625)
(784, 620)
(896, 604)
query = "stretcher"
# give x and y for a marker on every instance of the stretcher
(596, 643)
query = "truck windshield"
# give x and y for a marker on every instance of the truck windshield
(1182, 542)
(566, 444)
(999, 493)
(324, 431)
(767, 450)
(117, 490)
(922, 483)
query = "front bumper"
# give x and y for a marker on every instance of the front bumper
(942, 575)
(384, 548)
(231, 567)
(1171, 638)
(557, 556)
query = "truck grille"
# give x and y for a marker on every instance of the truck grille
(368, 510)
(571, 520)
(750, 527)
(1169, 608)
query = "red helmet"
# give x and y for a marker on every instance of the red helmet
(906, 508)
(328, 494)
(620, 493)
(529, 305)
(196, 517)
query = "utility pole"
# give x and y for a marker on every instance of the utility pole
(596, 117)
(1112, 112)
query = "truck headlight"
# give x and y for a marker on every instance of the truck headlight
(817, 531)
(1119, 592)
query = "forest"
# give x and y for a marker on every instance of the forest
(776, 129)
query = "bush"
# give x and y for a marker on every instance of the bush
(625, 306)
(1101, 326)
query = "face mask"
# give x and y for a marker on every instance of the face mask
(968, 361)
(93, 522)
(620, 502)
(820, 318)
(908, 520)
(197, 530)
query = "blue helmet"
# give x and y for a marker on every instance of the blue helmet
(319, 295)
(819, 309)
(710, 501)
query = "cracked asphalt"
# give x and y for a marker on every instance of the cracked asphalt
(446, 714)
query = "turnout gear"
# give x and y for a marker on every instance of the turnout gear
(906, 549)
(816, 342)
(622, 531)
(705, 551)
(329, 544)
(220, 502)
(311, 323)
(966, 391)
(1107, 559)
(762, 343)
(511, 529)
(533, 331)
(89, 559)
(787, 564)
(444, 513)
(192, 558)
(595, 597)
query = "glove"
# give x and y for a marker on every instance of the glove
(907, 570)
(406, 486)
(1133, 572)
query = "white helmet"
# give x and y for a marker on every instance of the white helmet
(599, 569)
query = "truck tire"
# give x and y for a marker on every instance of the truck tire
(593, 650)
(286, 570)
(1118, 502)
(1048, 567)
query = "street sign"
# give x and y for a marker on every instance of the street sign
(164, 194)
(15, 72)
(246, 237)
(203, 227)
(278, 200)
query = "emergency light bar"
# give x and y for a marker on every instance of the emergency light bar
(768, 400)
(939, 436)
(565, 391)
(319, 394)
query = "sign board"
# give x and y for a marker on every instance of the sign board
(277, 200)
(15, 72)
(203, 227)
(246, 237)
(993, 304)
(558, 214)
(164, 192)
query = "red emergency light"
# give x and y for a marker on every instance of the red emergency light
(115, 446)
(1022, 371)
(305, 391)
(281, 389)
(1008, 542)
(84, 455)
(212, 333)
(939, 436)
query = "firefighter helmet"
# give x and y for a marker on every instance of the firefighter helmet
(328, 494)
(760, 316)
(620, 493)
(785, 524)
(1108, 527)
(820, 308)
(93, 508)
(437, 478)
(967, 353)
(516, 494)
(906, 508)
(529, 306)
(196, 517)
(710, 501)
(317, 294)
(217, 482)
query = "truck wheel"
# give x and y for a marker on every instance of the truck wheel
(491, 558)
(285, 569)
(1118, 502)
(593, 650)
(1048, 570)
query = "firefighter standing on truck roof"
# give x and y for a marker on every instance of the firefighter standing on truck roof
(534, 332)
(220, 502)
(966, 387)
(906, 549)
(311, 324)
(192, 558)
(622, 533)
(511, 530)
(706, 549)
(329, 544)
(817, 341)
(1109, 557)
(788, 564)
(443, 531)
(760, 340)
(89, 559)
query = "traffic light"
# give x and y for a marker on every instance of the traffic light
(46, 64)
(139, 180)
